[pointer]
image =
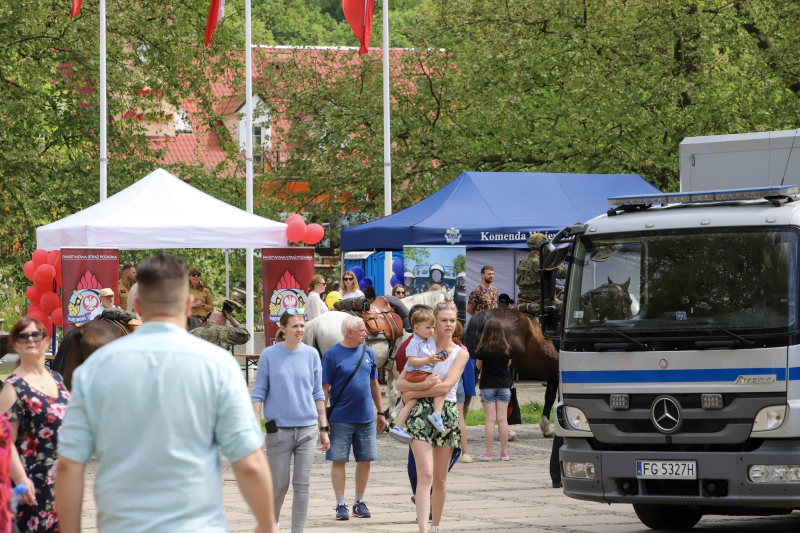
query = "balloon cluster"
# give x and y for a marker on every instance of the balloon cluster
(297, 231)
(360, 278)
(43, 270)
(397, 271)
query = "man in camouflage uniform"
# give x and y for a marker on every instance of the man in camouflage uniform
(216, 332)
(528, 277)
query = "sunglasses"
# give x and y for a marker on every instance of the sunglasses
(321, 283)
(195, 275)
(36, 335)
(348, 279)
(295, 311)
(401, 292)
(442, 305)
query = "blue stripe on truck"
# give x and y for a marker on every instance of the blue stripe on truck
(673, 376)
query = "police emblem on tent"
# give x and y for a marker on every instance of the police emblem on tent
(452, 236)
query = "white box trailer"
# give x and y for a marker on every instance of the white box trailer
(740, 161)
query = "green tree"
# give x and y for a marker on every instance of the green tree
(460, 263)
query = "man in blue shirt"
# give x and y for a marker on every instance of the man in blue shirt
(156, 408)
(352, 420)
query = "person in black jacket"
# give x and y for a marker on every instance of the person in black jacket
(494, 359)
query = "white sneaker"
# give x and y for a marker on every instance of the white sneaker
(465, 458)
(435, 529)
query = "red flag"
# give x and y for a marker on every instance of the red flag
(76, 8)
(359, 15)
(215, 13)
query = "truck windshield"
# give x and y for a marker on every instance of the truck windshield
(742, 279)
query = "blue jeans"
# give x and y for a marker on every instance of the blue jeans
(412, 466)
(362, 437)
(496, 395)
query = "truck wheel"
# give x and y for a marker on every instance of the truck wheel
(667, 517)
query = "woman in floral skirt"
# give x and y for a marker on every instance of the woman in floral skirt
(433, 450)
(35, 401)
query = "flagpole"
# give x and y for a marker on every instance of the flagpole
(387, 146)
(248, 66)
(103, 118)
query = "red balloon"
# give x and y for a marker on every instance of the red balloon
(29, 269)
(34, 294)
(314, 233)
(33, 309)
(296, 230)
(294, 217)
(39, 258)
(49, 302)
(53, 256)
(43, 285)
(45, 273)
(56, 317)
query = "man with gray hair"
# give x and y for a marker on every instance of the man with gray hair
(350, 380)
(156, 408)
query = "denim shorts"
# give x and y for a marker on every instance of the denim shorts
(460, 396)
(495, 395)
(362, 437)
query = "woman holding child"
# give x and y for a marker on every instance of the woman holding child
(434, 449)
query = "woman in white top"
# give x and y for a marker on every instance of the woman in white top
(433, 450)
(350, 286)
(315, 306)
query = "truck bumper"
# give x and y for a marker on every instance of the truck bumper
(722, 469)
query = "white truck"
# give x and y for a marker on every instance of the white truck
(680, 353)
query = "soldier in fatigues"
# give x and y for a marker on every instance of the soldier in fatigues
(528, 277)
(216, 332)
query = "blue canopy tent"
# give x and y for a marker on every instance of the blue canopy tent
(492, 214)
(495, 210)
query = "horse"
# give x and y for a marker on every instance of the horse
(532, 355)
(326, 331)
(609, 301)
(81, 342)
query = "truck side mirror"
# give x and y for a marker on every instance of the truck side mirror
(548, 320)
(547, 278)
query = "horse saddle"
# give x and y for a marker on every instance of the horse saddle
(124, 320)
(379, 317)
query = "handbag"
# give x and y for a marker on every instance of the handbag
(329, 409)
(514, 412)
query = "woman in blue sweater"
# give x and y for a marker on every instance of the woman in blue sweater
(288, 388)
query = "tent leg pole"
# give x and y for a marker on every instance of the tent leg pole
(250, 346)
(227, 274)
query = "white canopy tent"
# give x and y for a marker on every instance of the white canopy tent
(161, 211)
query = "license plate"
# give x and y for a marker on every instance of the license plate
(666, 469)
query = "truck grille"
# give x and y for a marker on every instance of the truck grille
(689, 426)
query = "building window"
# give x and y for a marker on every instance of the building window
(182, 122)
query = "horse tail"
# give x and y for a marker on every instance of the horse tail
(310, 335)
(60, 360)
(472, 336)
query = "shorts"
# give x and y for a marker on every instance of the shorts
(362, 437)
(417, 376)
(419, 428)
(496, 395)
(460, 395)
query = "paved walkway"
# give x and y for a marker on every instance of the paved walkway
(509, 497)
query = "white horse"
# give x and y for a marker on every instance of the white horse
(326, 331)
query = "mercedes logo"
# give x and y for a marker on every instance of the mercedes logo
(666, 414)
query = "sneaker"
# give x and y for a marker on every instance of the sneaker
(399, 434)
(504, 457)
(435, 529)
(465, 458)
(485, 457)
(436, 421)
(360, 510)
(341, 511)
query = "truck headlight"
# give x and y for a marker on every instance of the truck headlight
(578, 470)
(774, 473)
(576, 419)
(770, 418)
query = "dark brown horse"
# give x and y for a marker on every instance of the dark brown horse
(532, 355)
(79, 343)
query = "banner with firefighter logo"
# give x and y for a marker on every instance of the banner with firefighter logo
(84, 271)
(285, 275)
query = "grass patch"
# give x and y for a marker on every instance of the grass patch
(531, 413)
